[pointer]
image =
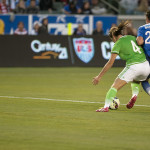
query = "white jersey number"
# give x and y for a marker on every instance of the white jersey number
(135, 47)
(147, 41)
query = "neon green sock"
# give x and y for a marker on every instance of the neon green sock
(111, 94)
(135, 88)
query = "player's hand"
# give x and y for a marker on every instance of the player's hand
(96, 80)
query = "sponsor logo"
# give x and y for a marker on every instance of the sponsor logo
(62, 29)
(48, 50)
(84, 48)
(106, 48)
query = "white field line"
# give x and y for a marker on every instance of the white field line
(60, 100)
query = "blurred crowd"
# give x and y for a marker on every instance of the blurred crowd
(75, 6)
(42, 29)
(38, 28)
(86, 7)
(134, 6)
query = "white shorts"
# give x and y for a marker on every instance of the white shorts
(137, 72)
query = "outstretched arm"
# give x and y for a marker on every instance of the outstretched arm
(105, 69)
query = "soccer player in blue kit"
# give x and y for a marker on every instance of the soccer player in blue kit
(143, 39)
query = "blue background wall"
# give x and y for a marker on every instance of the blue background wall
(58, 23)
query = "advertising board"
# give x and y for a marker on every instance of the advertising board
(55, 51)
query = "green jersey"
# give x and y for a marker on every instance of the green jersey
(128, 50)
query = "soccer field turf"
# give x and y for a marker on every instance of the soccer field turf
(35, 113)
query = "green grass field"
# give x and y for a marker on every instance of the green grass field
(37, 118)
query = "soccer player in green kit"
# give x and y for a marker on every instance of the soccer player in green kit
(137, 67)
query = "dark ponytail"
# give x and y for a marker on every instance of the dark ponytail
(148, 14)
(115, 31)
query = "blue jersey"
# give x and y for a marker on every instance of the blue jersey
(144, 31)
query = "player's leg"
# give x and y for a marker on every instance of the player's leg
(135, 87)
(111, 94)
(120, 81)
(137, 72)
(141, 73)
(146, 86)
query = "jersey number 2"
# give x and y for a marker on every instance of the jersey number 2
(146, 41)
(135, 47)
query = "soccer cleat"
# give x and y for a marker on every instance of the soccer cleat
(103, 109)
(131, 102)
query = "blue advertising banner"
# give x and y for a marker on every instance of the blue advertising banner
(11, 22)
(58, 24)
(107, 22)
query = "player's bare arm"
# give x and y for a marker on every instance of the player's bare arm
(108, 65)
(140, 40)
